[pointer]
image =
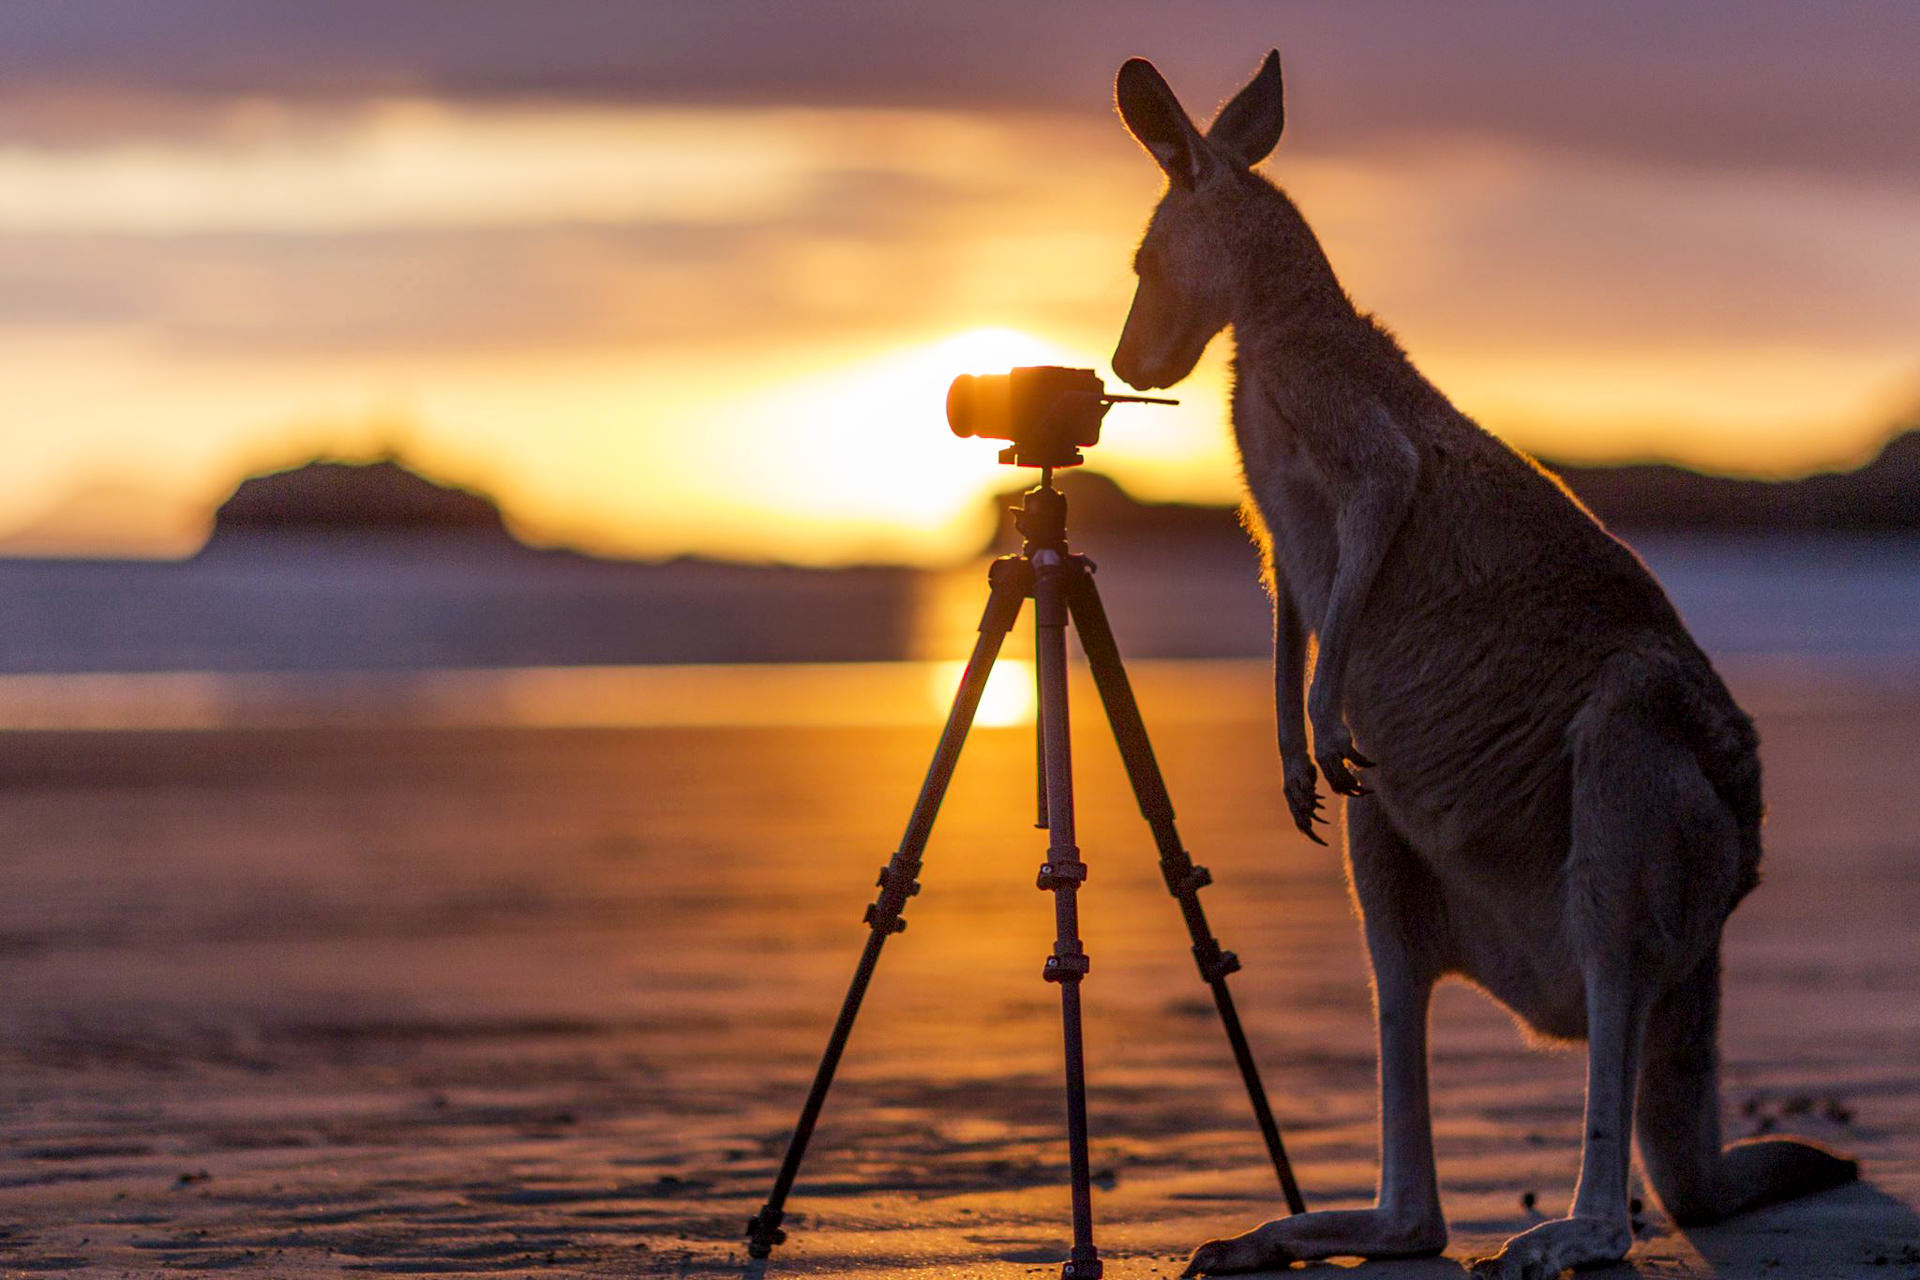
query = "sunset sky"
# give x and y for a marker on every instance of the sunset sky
(692, 277)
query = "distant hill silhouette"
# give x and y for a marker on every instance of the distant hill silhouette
(357, 498)
(1881, 497)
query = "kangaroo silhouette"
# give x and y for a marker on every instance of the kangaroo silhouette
(1566, 804)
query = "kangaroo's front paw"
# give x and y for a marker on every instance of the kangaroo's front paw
(1261, 1249)
(1334, 752)
(1303, 795)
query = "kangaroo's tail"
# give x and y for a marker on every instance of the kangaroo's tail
(1677, 1120)
(1728, 749)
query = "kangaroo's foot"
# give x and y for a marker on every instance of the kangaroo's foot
(1331, 1233)
(1550, 1248)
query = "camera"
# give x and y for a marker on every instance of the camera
(1047, 412)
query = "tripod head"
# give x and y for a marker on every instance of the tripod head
(1048, 412)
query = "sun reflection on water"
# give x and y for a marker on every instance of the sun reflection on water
(1007, 700)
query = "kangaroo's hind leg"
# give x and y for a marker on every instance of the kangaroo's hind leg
(1651, 871)
(1599, 1229)
(1398, 901)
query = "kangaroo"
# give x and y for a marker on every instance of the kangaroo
(1566, 804)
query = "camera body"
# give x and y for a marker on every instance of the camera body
(1049, 413)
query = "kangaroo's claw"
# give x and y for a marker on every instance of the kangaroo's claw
(1338, 758)
(1340, 779)
(1303, 796)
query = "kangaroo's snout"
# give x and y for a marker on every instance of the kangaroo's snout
(1166, 363)
(1128, 370)
(1137, 374)
(1159, 345)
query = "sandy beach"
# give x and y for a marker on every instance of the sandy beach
(499, 497)
(310, 1001)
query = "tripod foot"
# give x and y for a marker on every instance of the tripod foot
(763, 1232)
(1083, 1265)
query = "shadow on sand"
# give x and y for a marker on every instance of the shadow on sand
(1850, 1230)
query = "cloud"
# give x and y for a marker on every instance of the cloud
(1769, 83)
(430, 230)
(586, 303)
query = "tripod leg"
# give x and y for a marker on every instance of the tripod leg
(1184, 879)
(1063, 873)
(1011, 582)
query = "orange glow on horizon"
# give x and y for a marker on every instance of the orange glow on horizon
(657, 331)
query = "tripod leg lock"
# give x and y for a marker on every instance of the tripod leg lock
(1214, 963)
(1055, 875)
(1183, 877)
(884, 921)
(763, 1232)
(1068, 963)
(896, 886)
(889, 878)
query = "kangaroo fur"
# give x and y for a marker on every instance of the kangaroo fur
(1550, 791)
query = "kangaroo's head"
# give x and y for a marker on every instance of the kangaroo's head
(1187, 260)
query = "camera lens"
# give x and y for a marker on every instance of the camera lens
(960, 405)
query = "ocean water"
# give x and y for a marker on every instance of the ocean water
(383, 632)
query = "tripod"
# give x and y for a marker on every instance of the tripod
(1062, 588)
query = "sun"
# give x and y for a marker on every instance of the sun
(993, 350)
(861, 462)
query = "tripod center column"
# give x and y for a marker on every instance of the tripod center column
(1063, 873)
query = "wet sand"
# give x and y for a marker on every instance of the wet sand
(304, 1002)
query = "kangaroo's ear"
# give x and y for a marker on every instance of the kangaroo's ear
(1249, 127)
(1156, 118)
